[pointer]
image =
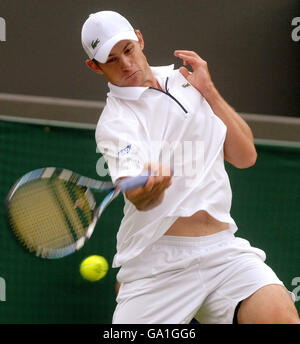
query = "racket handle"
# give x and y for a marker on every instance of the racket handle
(132, 183)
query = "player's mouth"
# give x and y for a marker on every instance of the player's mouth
(132, 75)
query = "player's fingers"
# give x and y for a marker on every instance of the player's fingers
(187, 59)
(156, 169)
(152, 194)
(185, 52)
(184, 72)
(154, 200)
(149, 185)
(161, 184)
(188, 54)
(138, 193)
(159, 177)
(192, 60)
(153, 168)
(168, 182)
(154, 185)
(148, 200)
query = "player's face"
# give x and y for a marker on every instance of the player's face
(127, 64)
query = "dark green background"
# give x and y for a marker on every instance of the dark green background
(265, 207)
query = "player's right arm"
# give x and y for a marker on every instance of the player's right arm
(124, 146)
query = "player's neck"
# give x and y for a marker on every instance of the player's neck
(150, 80)
(153, 83)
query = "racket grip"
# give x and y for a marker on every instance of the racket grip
(132, 183)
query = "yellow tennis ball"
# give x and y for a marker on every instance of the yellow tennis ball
(93, 268)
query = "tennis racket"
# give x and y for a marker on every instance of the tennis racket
(52, 211)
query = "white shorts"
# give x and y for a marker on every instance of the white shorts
(178, 278)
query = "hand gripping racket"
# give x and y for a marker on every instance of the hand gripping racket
(52, 211)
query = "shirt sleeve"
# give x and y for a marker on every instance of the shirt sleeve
(121, 144)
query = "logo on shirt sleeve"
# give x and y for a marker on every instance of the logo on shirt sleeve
(124, 151)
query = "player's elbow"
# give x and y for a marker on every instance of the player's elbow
(247, 161)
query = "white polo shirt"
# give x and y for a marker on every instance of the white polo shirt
(175, 126)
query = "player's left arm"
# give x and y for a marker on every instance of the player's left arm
(239, 149)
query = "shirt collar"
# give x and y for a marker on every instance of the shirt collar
(134, 92)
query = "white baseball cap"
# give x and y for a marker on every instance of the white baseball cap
(102, 30)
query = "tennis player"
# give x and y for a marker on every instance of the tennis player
(177, 251)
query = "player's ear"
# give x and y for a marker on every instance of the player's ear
(94, 66)
(140, 38)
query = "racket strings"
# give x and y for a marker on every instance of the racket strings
(49, 214)
(71, 206)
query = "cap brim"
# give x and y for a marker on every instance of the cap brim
(105, 49)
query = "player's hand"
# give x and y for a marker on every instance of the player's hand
(152, 193)
(200, 77)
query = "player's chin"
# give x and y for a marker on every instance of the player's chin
(133, 80)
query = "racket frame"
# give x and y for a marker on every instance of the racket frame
(82, 181)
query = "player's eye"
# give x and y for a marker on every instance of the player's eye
(113, 59)
(128, 50)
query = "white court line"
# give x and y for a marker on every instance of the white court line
(100, 104)
(48, 122)
(279, 143)
(51, 100)
(77, 125)
(270, 118)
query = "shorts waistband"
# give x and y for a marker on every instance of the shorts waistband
(171, 240)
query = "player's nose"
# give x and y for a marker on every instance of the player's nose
(125, 62)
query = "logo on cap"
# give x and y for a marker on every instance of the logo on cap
(95, 43)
